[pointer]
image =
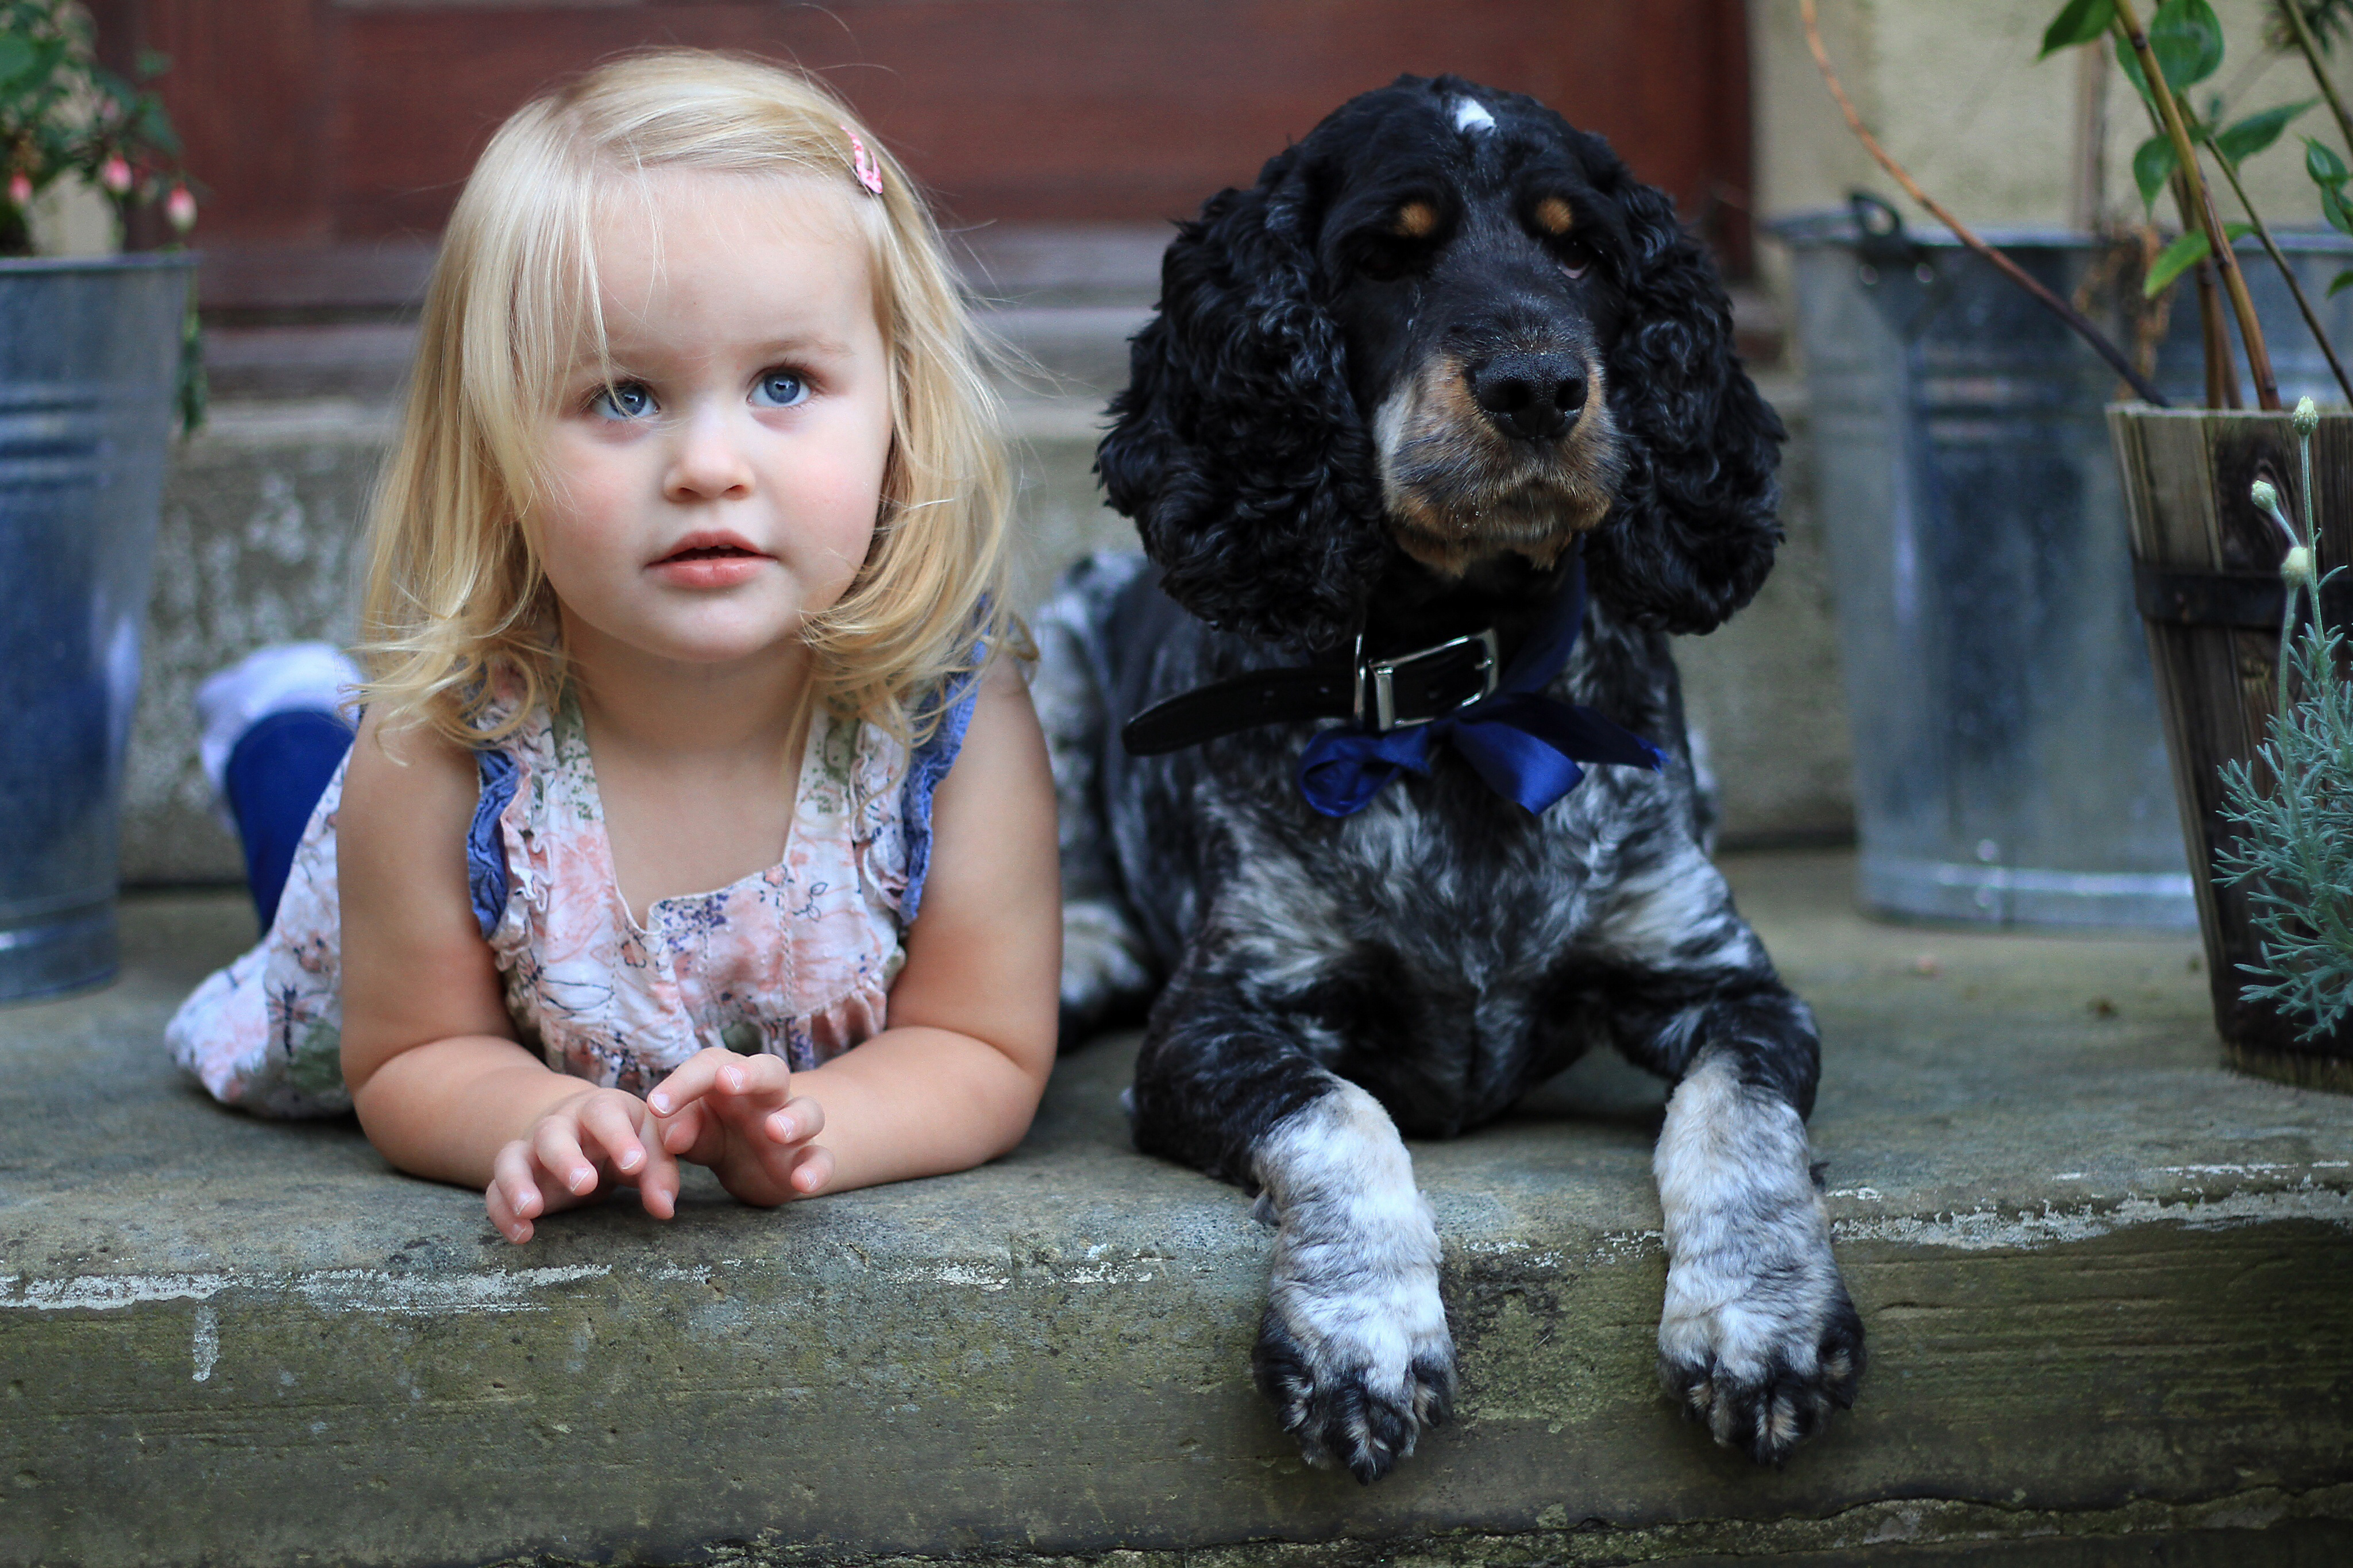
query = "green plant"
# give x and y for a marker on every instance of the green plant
(2294, 847)
(62, 113)
(2181, 47)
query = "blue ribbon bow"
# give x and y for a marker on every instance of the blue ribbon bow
(1525, 745)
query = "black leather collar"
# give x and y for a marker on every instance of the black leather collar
(1378, 692)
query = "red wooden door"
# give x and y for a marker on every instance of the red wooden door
(321, 130)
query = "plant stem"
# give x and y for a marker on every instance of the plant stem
(2264, 233)
(2213, 337)
(2251, 331)
(2084, 329)
(2311, 520)
(2304, 42)
(2214, 340)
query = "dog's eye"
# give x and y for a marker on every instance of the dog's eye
(1575, 256)
(1385, 258)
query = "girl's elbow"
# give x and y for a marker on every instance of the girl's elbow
(1010, 1130)
(1025, 1090)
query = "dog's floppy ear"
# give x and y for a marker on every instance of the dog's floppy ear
(1236, 447)
(1693, 530)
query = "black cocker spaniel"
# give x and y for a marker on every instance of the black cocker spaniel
(1437, 436)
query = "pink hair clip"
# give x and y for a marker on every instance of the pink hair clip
(864, 163)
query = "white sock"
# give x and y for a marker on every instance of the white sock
(284, 678)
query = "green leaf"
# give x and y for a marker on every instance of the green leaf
(2172, 261)
(2182, 255)
(2081, 22)
(2239, 142)
(2333, 208)
(2321, 162)
(15, 54)
(2342, 281)
(2187, 41)
(2153, 165)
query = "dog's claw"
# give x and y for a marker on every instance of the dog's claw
(1767, 1412)
(1336, 1413)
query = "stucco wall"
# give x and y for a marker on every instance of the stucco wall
(1953, 89)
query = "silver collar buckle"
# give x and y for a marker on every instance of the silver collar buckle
(1375, 685)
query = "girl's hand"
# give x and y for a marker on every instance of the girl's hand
(738, 1115)
(586, 1144)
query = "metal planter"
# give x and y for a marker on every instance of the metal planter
(2009, 764)
(89, 353)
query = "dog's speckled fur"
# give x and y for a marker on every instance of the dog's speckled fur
(1444, 346)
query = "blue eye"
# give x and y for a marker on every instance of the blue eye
(779, 389)
(628, 400)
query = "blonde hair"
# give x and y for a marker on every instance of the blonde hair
(455, 588)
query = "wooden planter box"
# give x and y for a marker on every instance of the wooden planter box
(2205, 577)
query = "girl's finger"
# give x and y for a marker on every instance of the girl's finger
(709, 1144)
(558, 1152)
(762, 1075)
(658, 1183)
(512, 1226)
(516, 1175)
(800, 1119)
(609, 1122)
(512, 1198)
(744, 1091)
(812, 1168)
(682, 1132)
(690, 1081)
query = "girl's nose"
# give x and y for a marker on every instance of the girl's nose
(708, 462)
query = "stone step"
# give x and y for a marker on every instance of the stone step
(2108, 1286)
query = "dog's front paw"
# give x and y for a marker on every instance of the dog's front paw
(1353, 1350)
(1759, 1338)
(1356, 1369)
(1760, 1349)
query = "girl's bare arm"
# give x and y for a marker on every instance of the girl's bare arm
(437, 1078)
(955, 1077)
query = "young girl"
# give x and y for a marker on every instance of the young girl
(685, 576)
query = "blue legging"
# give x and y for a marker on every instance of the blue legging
(277, 772)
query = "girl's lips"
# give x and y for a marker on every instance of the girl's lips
(706, 562)
(708, 570)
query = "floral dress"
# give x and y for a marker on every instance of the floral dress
(796, 960)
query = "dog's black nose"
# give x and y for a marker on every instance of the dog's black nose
(1529, 396)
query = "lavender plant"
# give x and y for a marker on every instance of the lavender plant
(2294, 847)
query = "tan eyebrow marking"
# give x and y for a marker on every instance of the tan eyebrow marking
(1415, 220)
(1554, 217)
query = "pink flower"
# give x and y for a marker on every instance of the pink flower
(181, 208)
(20, 187)
(115, 175)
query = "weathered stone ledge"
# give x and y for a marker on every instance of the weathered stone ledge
(2109, 1289)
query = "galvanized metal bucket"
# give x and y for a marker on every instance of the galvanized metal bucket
(89, 353)
(2009, 760)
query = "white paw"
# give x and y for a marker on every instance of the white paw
(1758, 1339)
(1760, 1349)
(1353, 1350)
